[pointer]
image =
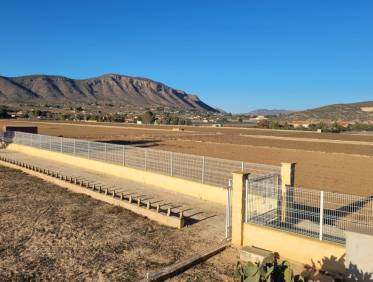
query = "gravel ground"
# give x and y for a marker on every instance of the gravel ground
(48, 233)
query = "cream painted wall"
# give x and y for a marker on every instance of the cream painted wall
(202, 191)
(293, 246)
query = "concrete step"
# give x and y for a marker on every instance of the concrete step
(249, 253)
(253, 254)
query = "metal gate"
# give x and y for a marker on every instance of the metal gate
(266, 204)
(262, 197)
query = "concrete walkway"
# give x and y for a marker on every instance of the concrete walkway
(207, 218)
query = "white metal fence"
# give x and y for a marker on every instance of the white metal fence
(202, 169)
(319, 214)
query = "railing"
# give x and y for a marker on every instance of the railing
(202, 169)
(318, 214)
(6, 137)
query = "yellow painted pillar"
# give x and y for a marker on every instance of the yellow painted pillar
(287, 179)
(238, 206)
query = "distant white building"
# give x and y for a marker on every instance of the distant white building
(299, 125)
(260, 117)
(367, 109)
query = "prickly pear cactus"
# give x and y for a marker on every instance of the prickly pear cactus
(287, 272)
(249, 272)
(300, 278)
(267, 267)
(270, 270)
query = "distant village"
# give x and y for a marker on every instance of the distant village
(174, 116)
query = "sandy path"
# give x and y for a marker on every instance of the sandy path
(309, 140)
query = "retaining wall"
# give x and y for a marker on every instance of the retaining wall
(165, 219)
(294, 246)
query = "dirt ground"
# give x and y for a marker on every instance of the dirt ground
(48, 233)
(332, 162)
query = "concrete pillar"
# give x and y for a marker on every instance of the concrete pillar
(359, 252)
(287, 179)
(238, 206)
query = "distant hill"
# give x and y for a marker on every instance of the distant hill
(354, 112)
(110, 88)
(269, 112)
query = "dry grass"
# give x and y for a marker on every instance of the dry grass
(48, 233)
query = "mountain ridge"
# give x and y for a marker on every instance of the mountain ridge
(116, 88)
(266, 112)
(348, 112)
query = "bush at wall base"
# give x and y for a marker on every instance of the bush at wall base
(271, 269)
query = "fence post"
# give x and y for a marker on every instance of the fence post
(242, 166)
(321, 215)
(40, 141)
(287, 180)
(124, 155)
(203, 169)
(89, 149)
(145, 155)
(238, 202)
(228, 215)
(172, 164)
(246, 199)
(61, 143)
(105, 157)
(74, 147)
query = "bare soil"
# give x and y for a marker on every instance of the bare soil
(332, 162)
(48, 233)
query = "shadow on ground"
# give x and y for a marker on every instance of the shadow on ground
(333, 269)
(137, 143)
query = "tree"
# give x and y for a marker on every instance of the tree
(119, 117)
(148, 117)
(275, 125)
(264, 123)
(4, 112)
(336, 127)
(174, 120)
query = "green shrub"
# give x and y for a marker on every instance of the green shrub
(271, 269)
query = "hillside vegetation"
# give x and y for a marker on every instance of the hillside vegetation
(110, 88)
(355, 112)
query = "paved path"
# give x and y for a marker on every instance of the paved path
(208, 218)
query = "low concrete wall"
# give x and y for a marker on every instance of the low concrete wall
(202, 191)
(152, 215)
(293, 246)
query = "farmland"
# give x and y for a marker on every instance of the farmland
(334, 162)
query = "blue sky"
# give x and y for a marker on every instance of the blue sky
(235, 55)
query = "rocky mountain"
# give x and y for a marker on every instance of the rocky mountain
(354, 112)
(269, 112)
(110, 88)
